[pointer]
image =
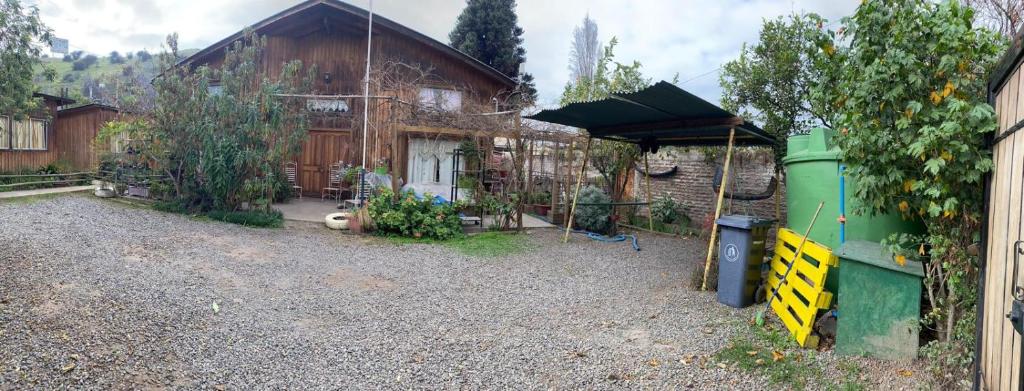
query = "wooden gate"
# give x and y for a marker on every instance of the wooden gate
(998, 356)
(321, 149)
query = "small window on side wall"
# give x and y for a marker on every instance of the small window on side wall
(5, 132)
(28, 134)
(215, 89)
(439, 99)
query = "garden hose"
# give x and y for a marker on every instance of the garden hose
(610, 239)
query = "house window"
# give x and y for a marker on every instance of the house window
(215, 89)
(28, 134)
(5, 132)
(438, 99)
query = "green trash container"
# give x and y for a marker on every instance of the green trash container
(880, 303)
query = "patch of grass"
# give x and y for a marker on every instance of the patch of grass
(35, 198)
(490, 244)
(772, 352)
(484, 245)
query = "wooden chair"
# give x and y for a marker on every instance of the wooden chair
(291, 173)
(334, 176)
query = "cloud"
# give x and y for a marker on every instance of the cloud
(690, 38)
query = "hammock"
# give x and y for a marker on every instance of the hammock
(767, 193)
(664, 174)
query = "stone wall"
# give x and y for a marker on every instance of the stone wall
(691, 186)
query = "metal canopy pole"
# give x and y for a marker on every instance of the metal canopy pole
(718, 209)
(576, 195)
(647, 178)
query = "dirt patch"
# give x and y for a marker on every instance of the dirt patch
(345, 278)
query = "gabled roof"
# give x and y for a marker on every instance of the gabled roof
(378, 21)
(662, 114)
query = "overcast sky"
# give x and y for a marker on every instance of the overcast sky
(689, 37)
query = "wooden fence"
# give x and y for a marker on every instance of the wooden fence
(998, 355)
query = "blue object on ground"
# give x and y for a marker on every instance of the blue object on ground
(610, 239)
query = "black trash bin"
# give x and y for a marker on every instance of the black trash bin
(740, 255)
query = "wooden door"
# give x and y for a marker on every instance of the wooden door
(321, 149)
(999, 356)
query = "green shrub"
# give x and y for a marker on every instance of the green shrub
(594, 218)
(409, 217)
(665, 210)
(252, 218)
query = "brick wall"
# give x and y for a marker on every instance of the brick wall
(691, 186)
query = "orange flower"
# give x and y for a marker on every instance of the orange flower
(936, 98)
(904, 206)
(948, 89)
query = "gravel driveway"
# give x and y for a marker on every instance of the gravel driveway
(100, 295)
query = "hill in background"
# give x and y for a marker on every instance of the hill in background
(90, 78)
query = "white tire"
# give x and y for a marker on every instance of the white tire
(104, 193)
(337, 220)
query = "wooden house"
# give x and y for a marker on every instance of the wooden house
(77, 127)
(31, 142)
(332, 36)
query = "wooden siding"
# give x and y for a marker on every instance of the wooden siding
(15, 160)
(75, 133)
(334, 42)
(999, 358)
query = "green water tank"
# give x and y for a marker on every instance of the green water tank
(812, 175)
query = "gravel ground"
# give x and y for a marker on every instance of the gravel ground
(94, 294)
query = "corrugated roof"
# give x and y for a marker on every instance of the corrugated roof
(662, 114)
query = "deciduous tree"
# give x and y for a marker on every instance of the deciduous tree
(913, 115)
(22, 35)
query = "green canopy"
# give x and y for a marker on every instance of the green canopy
(660, 115)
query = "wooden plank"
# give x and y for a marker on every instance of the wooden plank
(1013, 209)
(985, 361)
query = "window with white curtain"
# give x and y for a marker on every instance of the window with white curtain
(439, 99)
(5, 132)
(29, 134)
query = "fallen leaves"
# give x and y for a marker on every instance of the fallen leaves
(67, 368)
(751, 353)
(653, 362)
(777, 356)
(216, 308)
(905, 372)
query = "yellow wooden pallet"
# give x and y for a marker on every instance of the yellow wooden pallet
(803, 292)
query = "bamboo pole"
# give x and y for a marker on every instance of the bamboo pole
(647, 178)
(718, 210)
(576, 194)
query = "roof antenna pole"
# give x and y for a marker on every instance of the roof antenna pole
(366, 106)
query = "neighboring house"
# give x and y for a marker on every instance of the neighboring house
(52, 134)
(32, 142)
(77, 128)
(331, 35)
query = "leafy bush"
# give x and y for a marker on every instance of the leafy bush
(594, 218)
(409, 217)
(665, 210)
(252, 218)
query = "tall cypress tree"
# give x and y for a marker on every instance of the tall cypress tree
(489, 31)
